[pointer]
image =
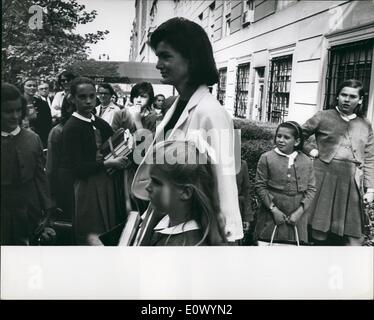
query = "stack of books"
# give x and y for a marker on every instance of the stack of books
(131, 228)
(123, 234)
(118, 145)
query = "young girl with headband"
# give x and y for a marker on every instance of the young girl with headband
(285, 184)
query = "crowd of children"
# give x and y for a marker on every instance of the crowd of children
(306, 196)
(309, 193)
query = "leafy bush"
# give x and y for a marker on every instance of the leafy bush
(251, 130)
(257, 138)
(251, 153)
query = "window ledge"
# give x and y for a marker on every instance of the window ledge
(357, 33)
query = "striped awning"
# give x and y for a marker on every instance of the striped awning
(117, 71)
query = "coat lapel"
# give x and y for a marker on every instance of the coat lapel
(192, 103)
(160, 128)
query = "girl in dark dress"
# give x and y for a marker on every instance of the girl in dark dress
(82, 136)
(24, 187)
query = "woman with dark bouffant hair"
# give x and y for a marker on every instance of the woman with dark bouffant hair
(185, 60)
(344, 168)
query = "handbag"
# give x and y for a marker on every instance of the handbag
(63, 229)
(280, 243)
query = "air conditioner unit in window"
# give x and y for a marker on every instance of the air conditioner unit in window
(248, 17)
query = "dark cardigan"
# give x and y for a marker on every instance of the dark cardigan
(79, 146)
(24, 187)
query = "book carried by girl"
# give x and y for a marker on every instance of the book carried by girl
(285, 183)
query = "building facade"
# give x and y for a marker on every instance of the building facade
(278, 60)
(148, 15)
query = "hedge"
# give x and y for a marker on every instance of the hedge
(251, 130)
(257, 138)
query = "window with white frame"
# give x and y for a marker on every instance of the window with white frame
(242, 91)
(248, 12)
(144, 19)
(226, 29)
(349, 61)
(279, 86)
(226, 7)
(153, 12)
(212, 7)
(221, 92)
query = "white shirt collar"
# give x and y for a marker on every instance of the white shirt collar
(77, 115)
(346, 117)
(111, 105)
(291, 157)
(108, 109)
(13, 133)
(163, 226)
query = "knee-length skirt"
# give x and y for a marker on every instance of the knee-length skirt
(95, 206)
(337, 206)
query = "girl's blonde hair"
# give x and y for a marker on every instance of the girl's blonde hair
(185, 166)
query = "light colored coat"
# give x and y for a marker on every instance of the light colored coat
(108, 113)
(203, 113)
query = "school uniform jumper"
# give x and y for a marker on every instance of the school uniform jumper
(188, 233)
(24, 186)
(95, 203)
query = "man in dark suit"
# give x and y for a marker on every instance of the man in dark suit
(43, 93)
(38, 114)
